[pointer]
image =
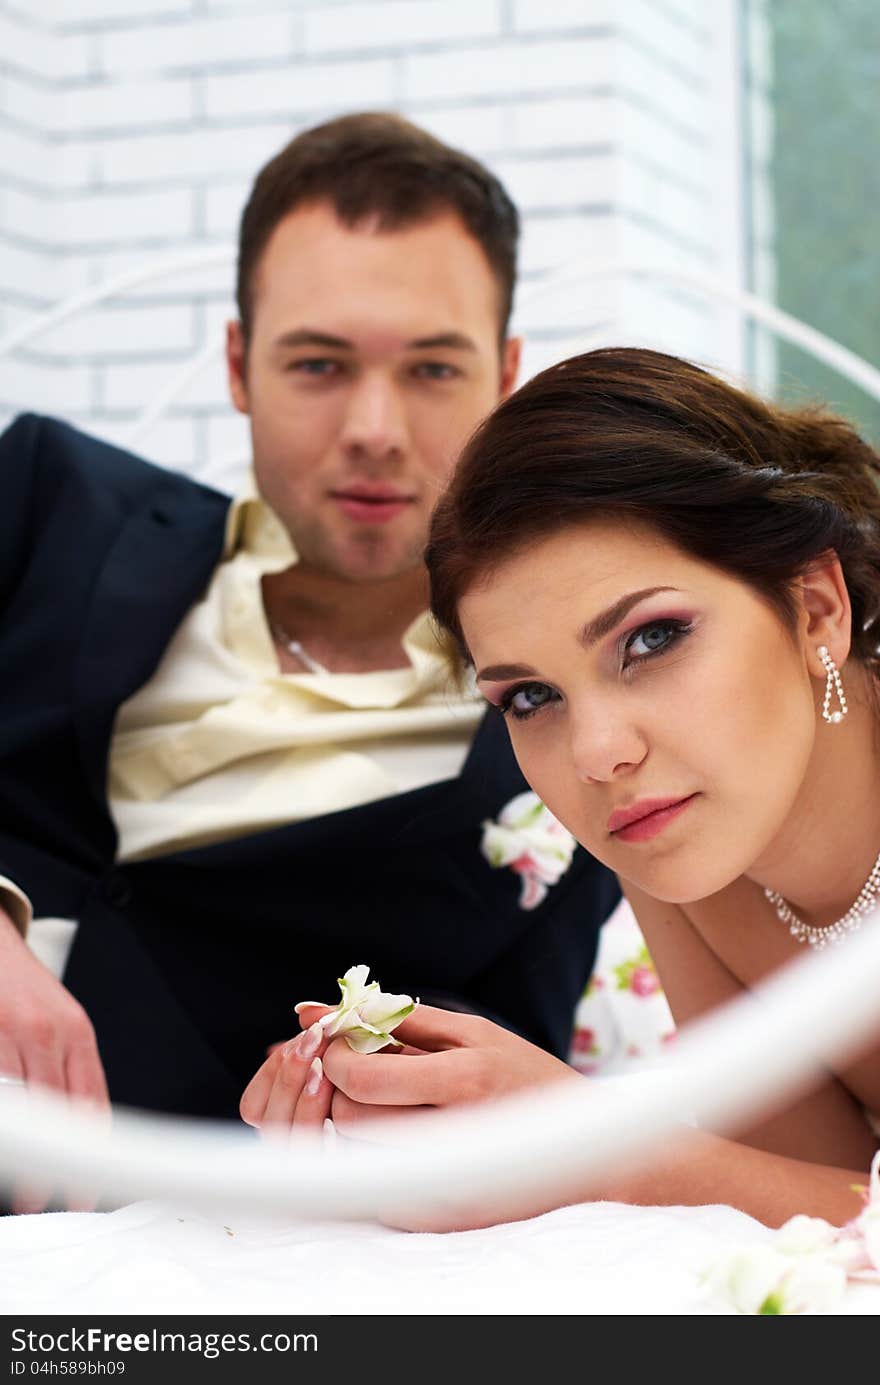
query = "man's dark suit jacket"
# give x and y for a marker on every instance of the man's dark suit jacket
(189, 964)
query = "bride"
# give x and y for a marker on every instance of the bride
(671, 592)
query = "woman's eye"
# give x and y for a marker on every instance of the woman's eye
(526, 699)
(654, 638)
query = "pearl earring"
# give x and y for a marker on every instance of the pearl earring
(832, 684)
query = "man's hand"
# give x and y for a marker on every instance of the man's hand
(46, 1037)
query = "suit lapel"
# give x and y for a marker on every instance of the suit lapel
(159, 565)
(489, 778)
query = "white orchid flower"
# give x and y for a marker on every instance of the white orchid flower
(764, 1281)
(366, 1014)
(745, 1277)
(861, 1236)
(806, 1267)
(803, 1235)
(869, 1225)
(813, 1284)
(532, 842)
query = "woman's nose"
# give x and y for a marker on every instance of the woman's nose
(605, 743)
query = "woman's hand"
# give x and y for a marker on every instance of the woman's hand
(448, 1059)
(290, 1092)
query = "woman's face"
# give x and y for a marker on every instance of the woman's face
(658, 707)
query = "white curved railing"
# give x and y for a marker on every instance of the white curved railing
(111, 288)
(741, 1057)
(824, 348)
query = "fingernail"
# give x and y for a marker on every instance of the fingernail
(313, 1081)
(307, 1043)
(306, 1005)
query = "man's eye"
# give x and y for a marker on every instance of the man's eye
(526, 699)
(436, 370)
(314, 365)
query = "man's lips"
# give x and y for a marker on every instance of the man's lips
(372, 505)
(646, 818)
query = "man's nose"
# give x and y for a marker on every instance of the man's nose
(606, 743)
(375, 425)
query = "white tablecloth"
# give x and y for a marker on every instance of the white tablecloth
(598, 1258)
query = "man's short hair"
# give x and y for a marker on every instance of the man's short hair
(378, 165)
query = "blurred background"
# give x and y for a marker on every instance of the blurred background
(730, 141)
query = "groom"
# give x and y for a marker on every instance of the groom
(231, 748)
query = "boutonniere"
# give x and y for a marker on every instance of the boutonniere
(532, 842)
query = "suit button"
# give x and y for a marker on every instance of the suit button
(118, 890)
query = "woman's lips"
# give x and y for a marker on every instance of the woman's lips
(653, 816)
(366, 508)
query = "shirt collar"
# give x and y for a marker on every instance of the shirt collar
(253, 528)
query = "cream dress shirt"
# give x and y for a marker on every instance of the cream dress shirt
(220, 743)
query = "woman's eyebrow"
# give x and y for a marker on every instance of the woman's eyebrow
(594, 630)
(495, 673)
(602, 624)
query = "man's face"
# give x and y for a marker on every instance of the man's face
(373, 356)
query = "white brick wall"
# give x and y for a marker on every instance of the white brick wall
(75, 14)
(116, 106)
(398, 23)
(525, 67)
(300, 88)
(132, 129)
(198, 44)
(118, 331)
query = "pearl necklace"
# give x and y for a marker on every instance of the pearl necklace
(295, 648)
(835, 932)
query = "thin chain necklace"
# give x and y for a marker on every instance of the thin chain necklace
(835, 932)
(295, 648)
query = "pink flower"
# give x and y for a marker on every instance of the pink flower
(583, 1040)
(644, 981)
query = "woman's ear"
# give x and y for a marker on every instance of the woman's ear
(825, 615)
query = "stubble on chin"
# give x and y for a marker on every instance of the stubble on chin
(367, 556)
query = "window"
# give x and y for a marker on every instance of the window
(812, 109)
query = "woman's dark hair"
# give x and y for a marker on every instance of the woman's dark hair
(756, 490)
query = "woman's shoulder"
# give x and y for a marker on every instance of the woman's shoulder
(737, 926)
(686, 943)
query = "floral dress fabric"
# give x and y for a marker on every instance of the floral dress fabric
(623, 1018)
